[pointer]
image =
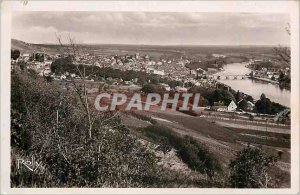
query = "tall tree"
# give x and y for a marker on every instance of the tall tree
(15, 54)
(284, 53)
(238, 96)
(264, 105)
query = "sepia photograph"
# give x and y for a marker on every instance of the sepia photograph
(153, 99)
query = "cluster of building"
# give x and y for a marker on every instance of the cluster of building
(38, 61)
(268, 73)
(173, 69)
(232, 106)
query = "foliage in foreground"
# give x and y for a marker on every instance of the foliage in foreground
(251, 169)
(48, 125)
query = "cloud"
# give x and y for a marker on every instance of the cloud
(152, 27)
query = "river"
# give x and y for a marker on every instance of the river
(254, 87)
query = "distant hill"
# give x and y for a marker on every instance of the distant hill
(29, 47)
(20, 45)
(155, 51)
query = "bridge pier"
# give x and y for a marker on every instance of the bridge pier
(228, 77)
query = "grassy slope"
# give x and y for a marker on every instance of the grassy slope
(225, 142)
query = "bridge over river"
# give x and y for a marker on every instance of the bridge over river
(229, 77)
(236, 75)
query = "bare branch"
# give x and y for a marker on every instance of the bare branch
(73, 51)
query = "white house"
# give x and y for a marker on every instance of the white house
(180, 89)
(157, 72)
(250, 105)
(25, 57)
(197, 84)
(193, 72)
(47, 72)
(47, 62)
(166, 86)
(63, 77)
(232, 106)
(218, 55)
(127, 82)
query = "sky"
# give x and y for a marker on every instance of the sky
(153, 28)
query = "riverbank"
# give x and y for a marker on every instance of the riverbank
(266, 80)
(284, 80)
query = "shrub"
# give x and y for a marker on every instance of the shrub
(193, 153)
(152, 88)
(251, 168)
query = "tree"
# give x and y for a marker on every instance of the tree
(251, 74)
(249, 98)
(264, 105)
(250, 169)
(273, 78)
(74, 50)
(63, 65)
(243, 105)
(155, 80)
(15, 54)
(39, 57)
(222, 95)
(281, 76)
(284, 56)
(148, 88)
(174, 83)
(151, 88)
(238, 96)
